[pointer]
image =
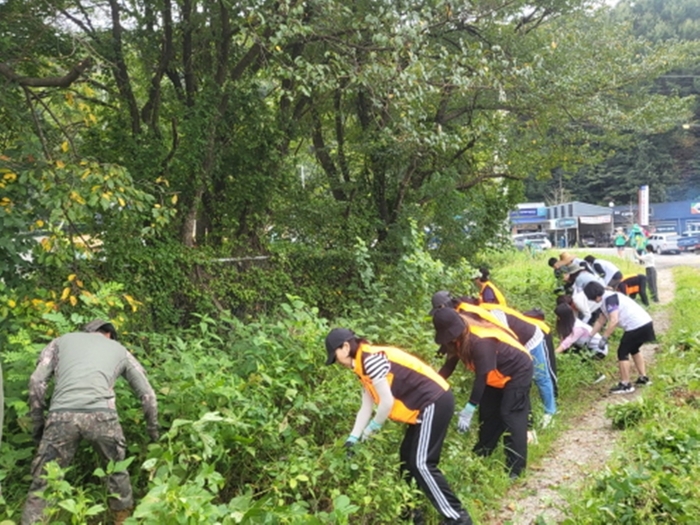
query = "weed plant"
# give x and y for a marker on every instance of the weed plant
(253, 423)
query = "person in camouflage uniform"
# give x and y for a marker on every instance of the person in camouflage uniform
(85, 366)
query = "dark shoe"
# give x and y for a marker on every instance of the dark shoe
(622, 388)
(413, 515)
(464, 519)
(642, 381)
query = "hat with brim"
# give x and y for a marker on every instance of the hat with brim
(448, 325)
(571, 268)
(441, 299)
(334, 340)
(565, 258)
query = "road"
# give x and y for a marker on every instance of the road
(662, 261)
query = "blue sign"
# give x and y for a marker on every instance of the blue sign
(565, 223)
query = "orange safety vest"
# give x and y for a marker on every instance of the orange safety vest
(495, 378)
(399, 411)
(515, 313)
(500, 298)
(486, 315)
(631, 288)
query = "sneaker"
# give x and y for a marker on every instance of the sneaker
(547, 420)
(642, 381)
(622, 388)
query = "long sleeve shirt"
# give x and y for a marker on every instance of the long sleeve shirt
(85, 367)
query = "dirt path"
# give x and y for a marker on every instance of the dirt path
(582, 449)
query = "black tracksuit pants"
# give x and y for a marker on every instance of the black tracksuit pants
(420, 455)
(504, 412)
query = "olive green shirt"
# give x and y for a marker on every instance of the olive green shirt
(85, 367)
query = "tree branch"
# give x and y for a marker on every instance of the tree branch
(59, 82)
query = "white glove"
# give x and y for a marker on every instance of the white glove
(465, 418)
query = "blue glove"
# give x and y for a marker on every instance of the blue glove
(603, 343)
(370, 429)
(465, 418)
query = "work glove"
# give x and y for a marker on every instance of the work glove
(603, 343)
(465, 418)
(370, 429)
(349, 443)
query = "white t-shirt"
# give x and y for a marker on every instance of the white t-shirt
(631, 314)
(609, 269)
(646, 260)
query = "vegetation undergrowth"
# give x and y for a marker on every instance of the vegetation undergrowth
(653, 478)
(253, 423)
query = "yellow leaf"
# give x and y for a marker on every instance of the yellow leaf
(73, 300)
(92, 118)
(75, 196)
(10, 177)
(85, 174)
(79, 283)
(71, 277)
(554, 45)
(65, 294)
(65, 146)
(60, 164)
(122, 203)
(174, 199)
(39, 223)
(69, 98)
(11, 303)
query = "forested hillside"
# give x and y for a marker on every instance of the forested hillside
(667, 161)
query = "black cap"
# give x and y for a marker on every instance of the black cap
(535, 313)
(334, 339)
(441, 299)
(100, 325)
(448, 325)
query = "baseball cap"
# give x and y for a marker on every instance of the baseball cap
(334, 339)
(448, 325)
(441, 299)
(101, 325)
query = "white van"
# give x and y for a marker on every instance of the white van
(538, 240)
(664, 242)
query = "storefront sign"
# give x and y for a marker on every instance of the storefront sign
(596, 219)
(695, 208)
(562, 224)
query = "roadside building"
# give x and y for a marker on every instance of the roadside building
(664, 217)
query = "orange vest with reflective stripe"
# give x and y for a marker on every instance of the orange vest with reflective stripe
(500, 298)
(495, 378)
(399, 411)
(631, 288)
(485, 315)
(512, 311)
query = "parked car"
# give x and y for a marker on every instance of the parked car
(588, 241)
(536, 240)
(664, 242)
(689, 241)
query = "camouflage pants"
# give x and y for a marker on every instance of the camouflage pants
(62, 434)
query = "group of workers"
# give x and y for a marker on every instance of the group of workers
(507, 350)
